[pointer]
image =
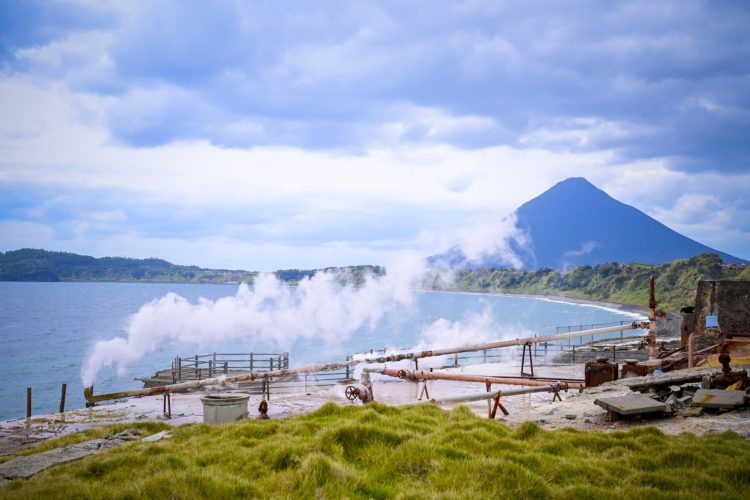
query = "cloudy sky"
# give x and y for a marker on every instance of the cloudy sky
(265, 135)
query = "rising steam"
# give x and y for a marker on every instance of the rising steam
(319, 307)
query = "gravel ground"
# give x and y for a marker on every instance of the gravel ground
(575, 410)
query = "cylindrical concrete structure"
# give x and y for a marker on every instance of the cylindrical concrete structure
(225, 407)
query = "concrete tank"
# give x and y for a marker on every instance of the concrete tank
(224, 408)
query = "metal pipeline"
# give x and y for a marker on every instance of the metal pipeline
(479, 396)
(91, 398)
(88, 392)
(420, 375)
(503, 343)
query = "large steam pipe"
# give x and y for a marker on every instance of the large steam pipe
(503, 343)
(420, 375)
(88, 392)
(479, 396)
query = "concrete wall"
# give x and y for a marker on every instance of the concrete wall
(729, 300)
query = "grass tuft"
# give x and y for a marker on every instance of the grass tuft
(382, 452)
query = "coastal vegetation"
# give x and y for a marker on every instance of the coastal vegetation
(41, 265)
(619, 283)
(613, 282)
(419, 452)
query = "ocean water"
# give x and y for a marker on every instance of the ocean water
(47, 330)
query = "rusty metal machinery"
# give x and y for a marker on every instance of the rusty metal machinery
(421, 375)
(494, 396)
(354, 392)
(362, 391)
(600, 371)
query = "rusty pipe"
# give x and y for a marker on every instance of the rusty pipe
(420, 375)
(651, 319)
(502, 343)
(691, 349)
(91, 398)
(479, 396)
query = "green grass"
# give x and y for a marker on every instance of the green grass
(419, 452)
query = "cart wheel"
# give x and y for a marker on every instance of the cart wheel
(351, 393)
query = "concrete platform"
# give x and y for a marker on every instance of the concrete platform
(718, 398)
(631, 404)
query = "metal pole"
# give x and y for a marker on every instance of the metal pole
(62, 398)
(651, 319)
(91, 398)
(28, 402)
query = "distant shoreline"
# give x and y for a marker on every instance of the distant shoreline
(626, 308)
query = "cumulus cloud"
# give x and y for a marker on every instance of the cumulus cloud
(642, 80)
(266, 123)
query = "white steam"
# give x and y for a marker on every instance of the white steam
(498, 240)
(319, 307)
(474, 329)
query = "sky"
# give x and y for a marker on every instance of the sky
(273, 135)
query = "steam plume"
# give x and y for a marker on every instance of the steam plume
(318, 307)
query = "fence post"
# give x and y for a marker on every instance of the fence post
(28, 402)
(226, 368)
(210, 367)
(214, 360)
(62, 398)
(196, 361)
(251, 361)
(179, 368)
(455, 360)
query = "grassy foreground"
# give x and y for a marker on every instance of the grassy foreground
(419, 452)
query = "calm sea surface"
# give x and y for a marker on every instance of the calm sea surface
(47, 329)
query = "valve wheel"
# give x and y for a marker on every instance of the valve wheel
(351, 393)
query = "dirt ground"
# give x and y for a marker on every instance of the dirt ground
(575, 410)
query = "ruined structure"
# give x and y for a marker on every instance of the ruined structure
(719, 321)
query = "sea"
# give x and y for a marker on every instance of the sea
(48, 329)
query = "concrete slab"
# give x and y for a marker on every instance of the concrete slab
(718, 398)
(631, 404)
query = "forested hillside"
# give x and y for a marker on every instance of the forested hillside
(41, 265)
(621, 283)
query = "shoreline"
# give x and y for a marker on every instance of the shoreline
(625, 308)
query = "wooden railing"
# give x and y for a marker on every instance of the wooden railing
(202, 366)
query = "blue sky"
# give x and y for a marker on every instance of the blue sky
(266, 135)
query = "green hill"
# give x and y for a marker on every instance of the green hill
(620, 283)
(41, 265)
